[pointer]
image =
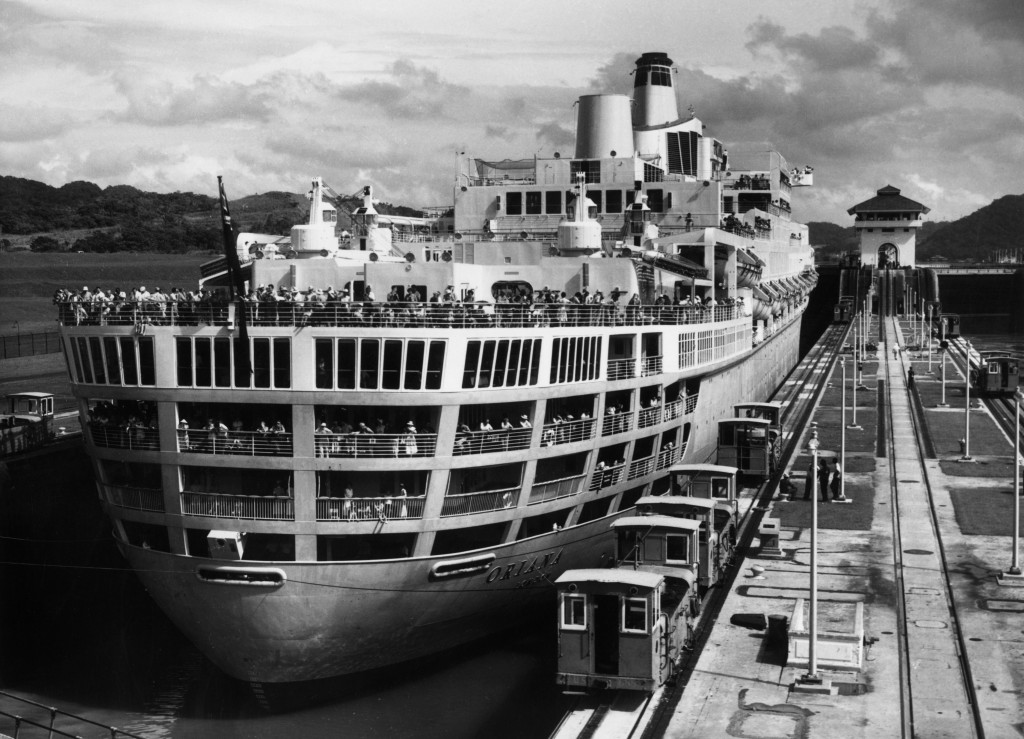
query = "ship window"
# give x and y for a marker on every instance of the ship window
(222, 362)
(392, 371)
(514, 203)
(574, 359)
(369, 356)
(656, 200)
(500, 360)
(678, 550)
(324, 358)
(652, 173)
(467, 539)
(533, 200)
(78, 360)
(203, 361)
(282, 363)
(634, 615)
(472, 362)
(553, 201)
(364, 547)
(414, 365)
(591, 169)
(613, 201)
(346, 364)
(435, 365)
(574, 612)
(243, 364)
(131, 373)
(486, 363)
(147, 362)
(595, 195)
(183, 349)
(543, 523)
(661, 76)
(113, 366)
(260, 363)
(97, 360)
(593, 510)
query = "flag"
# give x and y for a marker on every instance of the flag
(236, 282)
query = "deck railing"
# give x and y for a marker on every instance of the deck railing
(674, 409)
(256, 507)
(640, 467)
(554, 489)
(606, 477)
(369, 509)
(247, 443)
(486, 442)
(621, 369)
(691, 404)
(650, 366)
(649, 417)
(489, 500)
(616, 423)
(567, 432)
(375, 445)
(136, 438)
(668, 457)
(135, 498)
(388, 314)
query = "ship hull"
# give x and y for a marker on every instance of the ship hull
(330, 619)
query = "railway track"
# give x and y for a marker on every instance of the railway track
(924, 591)
(617, 714)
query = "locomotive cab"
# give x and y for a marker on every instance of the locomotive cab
(27, 421)
(751, 445)
(997, 374)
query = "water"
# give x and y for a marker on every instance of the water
(89, 640)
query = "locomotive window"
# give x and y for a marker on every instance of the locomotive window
(678, 550)
(634, 615)
(993, 369)
(574, 612)
(719, 487)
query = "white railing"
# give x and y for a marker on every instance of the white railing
(554, 489)
(486, 442)
(369, 509)
(621, 369)
(567, 432)
(138, 499)
(668, 457)
(136, 438)
(650, 366)
(649, 417)
(606, 477)
(691, 404)
(375, 445)
(488, 500)
(616, 423)
(247, 443)
(640, 467)
(257, 507)
(674, 409)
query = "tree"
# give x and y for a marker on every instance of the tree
(44, 243)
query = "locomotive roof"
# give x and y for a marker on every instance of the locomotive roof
(668, 522)
(680, 500)
(604, 575)
(714, 468)
(751, 421)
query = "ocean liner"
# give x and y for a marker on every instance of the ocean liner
(402, 433)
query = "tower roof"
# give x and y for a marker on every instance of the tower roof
(888, 199)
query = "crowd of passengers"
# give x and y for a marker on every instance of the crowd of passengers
(268, 305)
(381, 439)
(124, 425)
(215, 437)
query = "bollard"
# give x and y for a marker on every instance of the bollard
(963, 446)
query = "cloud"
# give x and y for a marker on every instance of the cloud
(555, 135)
(34, 122)
(407, 92)
(205, 100)
(498, 132)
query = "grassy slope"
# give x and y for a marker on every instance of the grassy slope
(28, 281)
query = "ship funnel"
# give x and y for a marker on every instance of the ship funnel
(603, 127)
(654, 95)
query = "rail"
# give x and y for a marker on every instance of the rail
(29, 344)
(479, 315)
(134, 498)
(621, 369)
(487, 442)
(567, 432)
(252, 507)
(369, 509)
(357, 446)
(604, 477)
(564, 487)
(640, 467)
(246, 443)
(650, 365)
(464, 504)
(649, 417)
(135, 438)
(616, 423)
(53, 713)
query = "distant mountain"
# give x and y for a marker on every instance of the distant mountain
(998, 225)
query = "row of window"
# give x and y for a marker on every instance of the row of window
(575, 359)
(550, 202)
(112, 360)
(350, 364)
(632, 614)
(220, 362)
(701, 347)
(502, 363)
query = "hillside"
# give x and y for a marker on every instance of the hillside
(996, 226)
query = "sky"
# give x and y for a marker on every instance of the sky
(926, 95)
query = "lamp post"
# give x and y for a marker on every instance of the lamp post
(812, 669)
(929, 338)
(842, 440)
(967, 406)
(1013, 575)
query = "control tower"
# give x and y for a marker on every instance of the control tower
(887, 225)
